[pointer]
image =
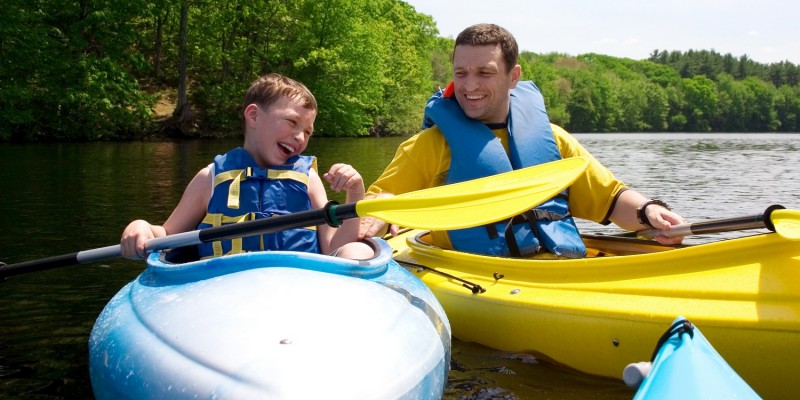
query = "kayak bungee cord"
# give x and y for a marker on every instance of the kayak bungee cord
(679, 328)
(473, 287)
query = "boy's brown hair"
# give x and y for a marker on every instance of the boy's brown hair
(270, 87)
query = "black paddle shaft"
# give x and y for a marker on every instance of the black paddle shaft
(757, 221)
(38, 265)
(332, 214)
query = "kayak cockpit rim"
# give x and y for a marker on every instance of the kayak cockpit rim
(183, 261)
(597, 245)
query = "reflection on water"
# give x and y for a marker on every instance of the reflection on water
(61, 198)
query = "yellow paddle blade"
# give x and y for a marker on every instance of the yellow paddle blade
(476, 202)
(787, 223)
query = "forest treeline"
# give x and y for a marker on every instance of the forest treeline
(95, 70)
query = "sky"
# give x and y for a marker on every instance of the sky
(767, 31)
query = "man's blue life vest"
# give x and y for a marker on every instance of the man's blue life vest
(476, 152)
(243, 192)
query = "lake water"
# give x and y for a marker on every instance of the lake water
(61, 198)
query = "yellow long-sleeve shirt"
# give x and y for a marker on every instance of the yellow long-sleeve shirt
(423, 161)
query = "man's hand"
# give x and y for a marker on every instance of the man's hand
(371, 226)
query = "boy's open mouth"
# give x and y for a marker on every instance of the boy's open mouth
(286, 149)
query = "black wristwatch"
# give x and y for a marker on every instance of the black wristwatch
(640, 212)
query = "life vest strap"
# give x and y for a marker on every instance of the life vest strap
(287, 174)
(531, 217)
(511, 239)
(217, 219)
(237, 175)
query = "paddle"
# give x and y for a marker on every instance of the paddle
(785, 223)
(462, 205)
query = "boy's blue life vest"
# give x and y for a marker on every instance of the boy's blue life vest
(476, 152)
(243, 192)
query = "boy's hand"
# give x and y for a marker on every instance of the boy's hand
(345, 177)
(133, 239)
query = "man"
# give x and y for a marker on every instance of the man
(487, 121)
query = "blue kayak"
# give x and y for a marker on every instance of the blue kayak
(272, 325)
(685, 366)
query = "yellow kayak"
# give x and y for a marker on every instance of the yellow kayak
(600, 313)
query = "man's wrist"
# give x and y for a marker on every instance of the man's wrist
(641, 212)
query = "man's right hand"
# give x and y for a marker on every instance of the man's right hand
(371, 226)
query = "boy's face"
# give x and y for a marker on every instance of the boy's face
(279, 132)
(481, 82)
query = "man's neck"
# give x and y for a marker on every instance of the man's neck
(497, 125)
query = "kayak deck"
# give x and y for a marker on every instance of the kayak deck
(272, 325)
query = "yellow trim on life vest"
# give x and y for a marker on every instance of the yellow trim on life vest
(236, 246)
(284, 174)
(219, 219)
(227, 175)
(234, 175)
(215, 220)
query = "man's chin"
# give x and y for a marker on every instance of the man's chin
(474, 114)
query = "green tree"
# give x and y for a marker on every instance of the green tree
(677, 120)
(72, 70)
(407, 74)
(556, 90)
(762, 114)
(701, 101)
(787, 106)
(583, 110)
(442, 62)
(733, 103)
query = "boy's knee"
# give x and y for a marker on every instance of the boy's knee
(355, 251)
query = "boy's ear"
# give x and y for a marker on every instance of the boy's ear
(250, 114)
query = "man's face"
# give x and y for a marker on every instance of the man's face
(482, 83)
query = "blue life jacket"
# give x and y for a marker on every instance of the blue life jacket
(476, 152)
(243, 192)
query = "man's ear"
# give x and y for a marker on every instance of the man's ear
(516, 73)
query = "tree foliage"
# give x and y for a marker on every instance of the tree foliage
(94, 70)
(66, 71)
(85, 70)
(699, 91)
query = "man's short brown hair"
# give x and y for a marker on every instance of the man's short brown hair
(489, 34)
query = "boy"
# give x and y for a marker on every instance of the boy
(267, 176)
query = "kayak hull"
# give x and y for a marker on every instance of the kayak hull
(272, 325)
(744, 292)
